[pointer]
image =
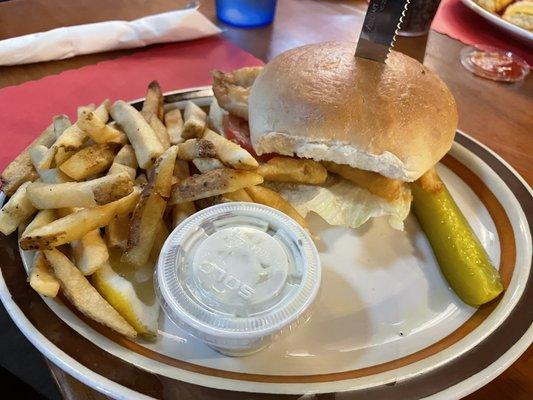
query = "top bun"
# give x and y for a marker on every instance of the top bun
(319, 101)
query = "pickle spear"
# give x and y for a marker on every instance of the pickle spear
(462, 259)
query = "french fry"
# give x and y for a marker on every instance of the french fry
(163, 171)
(212, 183)
(84, 296)
(141, 180)
(71, 140)
(116, 233)
(160, 237)
(182, 211)
(195, 121)
(153, 112)
(126, 156)
(102, 111)
(42, 218)
(124, 161)
(21, 169)
(89, 161)
(63, 212)
(61, 123)
(90, 252)
(174, 124)
(42, 278)
(143, 227)
(196, 148)
(375, 183)
(89, 142)
(160, 130)
(239, 195)
(37, 154)
(50, 196)
(293, 170)
(90, 107)
(47, 160)
(46, 138)
(216, 117)
(150, 209)
(53, 175)
(181, 170)
(210, 201)
(80, 194)
(62, 154)
(207, 164)
(121, 169)
(76, 225)
(230, 153)
(115, 125)
(17, 210)
(268, 197)
(97, 130)
(142, 137)
(153, 102)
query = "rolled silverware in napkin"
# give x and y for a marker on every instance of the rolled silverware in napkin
(61, 43)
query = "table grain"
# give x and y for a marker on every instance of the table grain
(499, 115)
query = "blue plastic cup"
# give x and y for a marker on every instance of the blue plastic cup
(246, 13)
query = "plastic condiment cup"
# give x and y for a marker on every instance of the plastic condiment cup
(237, 276)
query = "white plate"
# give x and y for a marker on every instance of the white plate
(516, 31)
(386, 323)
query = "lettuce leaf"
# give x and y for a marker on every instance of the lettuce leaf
(342, 203)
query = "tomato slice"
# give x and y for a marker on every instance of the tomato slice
(237, 130)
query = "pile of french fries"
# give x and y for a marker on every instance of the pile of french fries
(118, 180)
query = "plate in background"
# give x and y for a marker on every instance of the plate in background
(516, 31)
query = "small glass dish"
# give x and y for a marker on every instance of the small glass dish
(493, 63)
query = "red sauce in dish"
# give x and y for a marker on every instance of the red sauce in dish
(495, 65)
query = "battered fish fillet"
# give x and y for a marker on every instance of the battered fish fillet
(233, 88)
(386, 188)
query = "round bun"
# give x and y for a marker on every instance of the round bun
(320, 102)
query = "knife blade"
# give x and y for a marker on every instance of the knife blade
(381, 24)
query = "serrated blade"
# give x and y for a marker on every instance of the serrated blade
(381, 24)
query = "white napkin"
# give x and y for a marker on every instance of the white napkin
(71, 41)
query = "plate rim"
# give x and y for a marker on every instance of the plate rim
(117, 390)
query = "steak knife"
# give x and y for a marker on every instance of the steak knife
(381, 24)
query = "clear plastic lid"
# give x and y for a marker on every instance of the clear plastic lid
(237, 270)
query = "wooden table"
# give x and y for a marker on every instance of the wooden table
(499, 115)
